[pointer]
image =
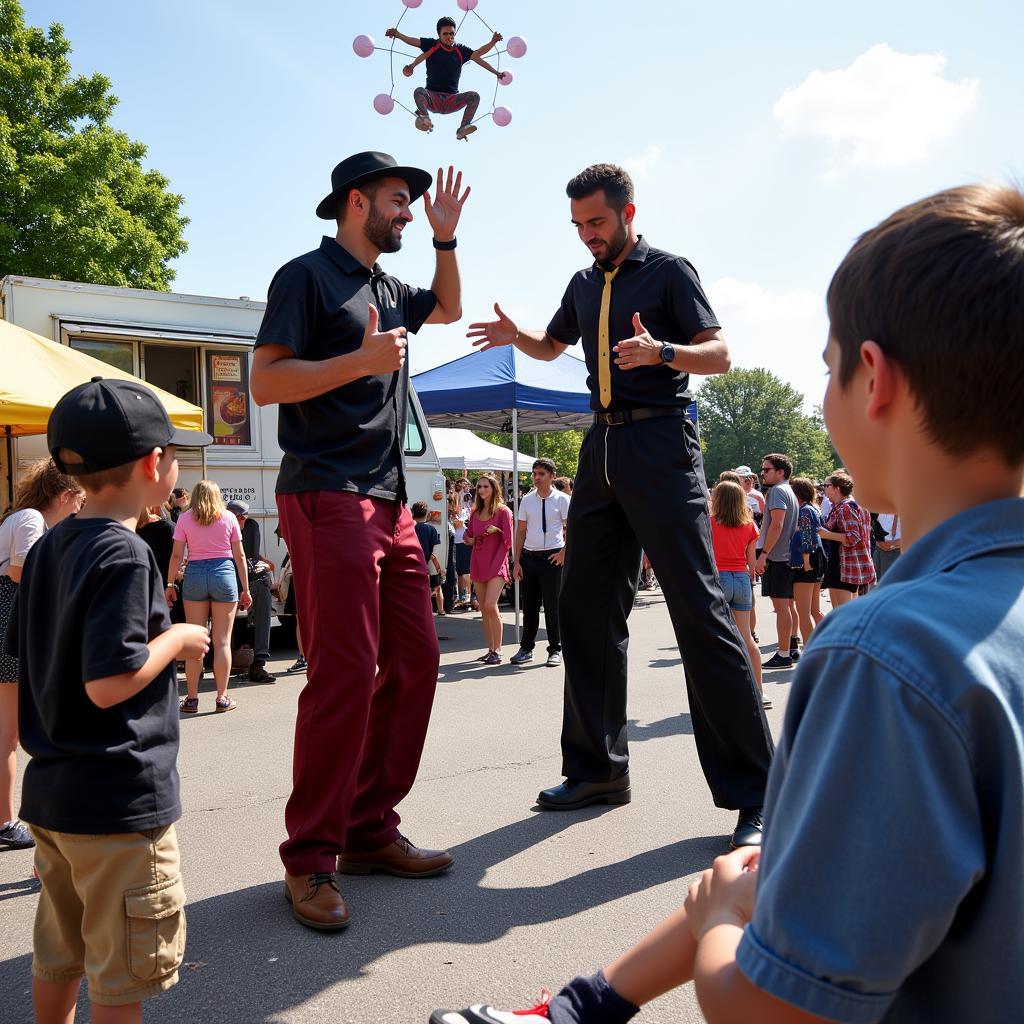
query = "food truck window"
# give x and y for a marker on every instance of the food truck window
(227, 390)
(119, 354)
(414, 443)
(172, 368)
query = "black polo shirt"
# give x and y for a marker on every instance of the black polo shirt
(666, 292)
(444, 65)
(351, 438)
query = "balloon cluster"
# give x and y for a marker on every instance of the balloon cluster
(384, 102)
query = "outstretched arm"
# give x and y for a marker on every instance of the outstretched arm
(501, 332)
(493, 70)
(393, 33)
(409, 68)
(443, 214)
(480, 51)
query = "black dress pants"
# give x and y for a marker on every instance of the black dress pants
(641, 486)
(541, 584)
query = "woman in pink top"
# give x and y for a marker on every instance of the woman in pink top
(489, 533)
(216, 565)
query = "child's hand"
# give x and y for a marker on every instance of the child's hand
(195, 641)
(725, 893)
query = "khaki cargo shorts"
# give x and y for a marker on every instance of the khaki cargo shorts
(111, 908)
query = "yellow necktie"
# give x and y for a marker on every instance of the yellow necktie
(604, 348)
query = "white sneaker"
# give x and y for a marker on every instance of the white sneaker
(482, 1014)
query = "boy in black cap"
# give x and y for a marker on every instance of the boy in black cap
(99, 715)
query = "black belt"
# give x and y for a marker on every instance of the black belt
(617, 419)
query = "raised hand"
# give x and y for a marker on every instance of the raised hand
(640, 350)
(493, 333)
(444, 212)
(390, 33)
(381, 352)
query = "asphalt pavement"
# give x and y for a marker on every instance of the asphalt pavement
(533, 898)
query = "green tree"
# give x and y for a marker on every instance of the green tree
(75, 202)
(744, 414)
(561, 446)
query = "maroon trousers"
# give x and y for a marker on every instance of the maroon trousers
(364, 611)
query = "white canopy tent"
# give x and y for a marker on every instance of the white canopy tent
(461, 449)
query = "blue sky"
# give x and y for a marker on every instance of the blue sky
(762, 137)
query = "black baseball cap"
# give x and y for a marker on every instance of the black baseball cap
(110, 423)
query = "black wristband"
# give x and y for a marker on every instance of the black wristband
(445, 246)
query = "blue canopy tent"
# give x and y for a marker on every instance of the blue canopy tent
(501, 389)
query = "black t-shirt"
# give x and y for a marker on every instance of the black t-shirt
(444, 66)
(91, 598)
(159, 535)
(666, 292)
(429, 538)
(351, 438)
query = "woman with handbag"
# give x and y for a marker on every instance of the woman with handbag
(216, 567)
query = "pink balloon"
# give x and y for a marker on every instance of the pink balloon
(502, 116)
(516, 47)
(506, 78)
(383, 103)
(467, 5)
(363, 45)
(412, 3)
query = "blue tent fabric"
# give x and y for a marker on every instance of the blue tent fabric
(481, 389)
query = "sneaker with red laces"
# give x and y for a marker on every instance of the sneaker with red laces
(483, 1014)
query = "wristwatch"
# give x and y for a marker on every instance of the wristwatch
(668, 353)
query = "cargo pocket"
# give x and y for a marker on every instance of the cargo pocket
(156, 929)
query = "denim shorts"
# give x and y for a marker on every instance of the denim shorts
(739, 595)
(211, 579)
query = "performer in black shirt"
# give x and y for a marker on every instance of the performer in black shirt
(646, 325)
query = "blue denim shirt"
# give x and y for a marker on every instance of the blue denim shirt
(891, 884)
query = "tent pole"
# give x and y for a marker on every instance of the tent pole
(536, 444)
(515, 506)
(10, 463)
(202, 456)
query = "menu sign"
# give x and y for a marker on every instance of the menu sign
(227, 375)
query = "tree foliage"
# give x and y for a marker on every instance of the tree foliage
(75, 201)
(745, 414)
(561, 446)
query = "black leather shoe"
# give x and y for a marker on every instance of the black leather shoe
(575, 793)
(749, 827)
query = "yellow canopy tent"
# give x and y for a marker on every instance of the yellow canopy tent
(35, 372)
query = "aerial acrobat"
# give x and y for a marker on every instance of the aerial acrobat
(445, 60)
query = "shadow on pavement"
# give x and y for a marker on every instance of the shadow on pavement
(249, 961)
(674, 725)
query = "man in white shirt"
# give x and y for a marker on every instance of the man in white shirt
(888, 550)
(539, 552)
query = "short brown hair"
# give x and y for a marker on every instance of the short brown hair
(730, 475)
(419, 510)
(547, 464)
(804, 489)
(939, 286)
(783, 462)
(843, 482)
(615, 182)
(92, 483)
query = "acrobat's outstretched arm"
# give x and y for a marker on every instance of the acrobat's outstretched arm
(493, 70)
(478, 53)
(393, 33)
(409, 68)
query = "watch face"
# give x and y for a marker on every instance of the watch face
(668, 353)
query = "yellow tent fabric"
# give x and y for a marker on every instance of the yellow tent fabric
(35, 372)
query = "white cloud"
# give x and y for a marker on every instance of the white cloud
(884, 110)
(640, 165)
(781, 331)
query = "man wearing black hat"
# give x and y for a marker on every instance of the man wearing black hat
(331, 352)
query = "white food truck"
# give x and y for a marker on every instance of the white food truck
(199, 348)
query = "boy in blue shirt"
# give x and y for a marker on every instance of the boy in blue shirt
(98, 713)
(891, 879)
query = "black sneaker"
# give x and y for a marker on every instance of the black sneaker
(749, 826)
(521, 657)
(14, 836)
(777, 661)
(794, 655)
(299, 666)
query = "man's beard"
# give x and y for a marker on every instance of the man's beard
(616, 244)
(381, 231)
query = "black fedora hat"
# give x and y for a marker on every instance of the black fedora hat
(364, 167)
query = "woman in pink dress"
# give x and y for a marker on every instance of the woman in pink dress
(489, 533)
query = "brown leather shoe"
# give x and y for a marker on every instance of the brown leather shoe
(401, 858)
(316, 901)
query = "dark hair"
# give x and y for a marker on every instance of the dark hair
(561, 483)
(419, 509)
(368, 188)
(804, 490)
(545, 464)
(442, 22)
(842, 481)
(615, 182)
(939, 285)
(782, 462)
